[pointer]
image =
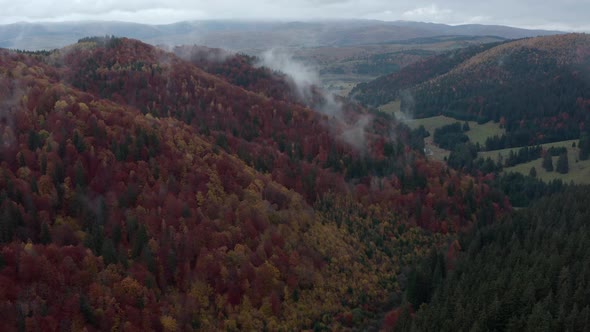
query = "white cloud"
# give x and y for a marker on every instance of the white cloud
(478, 19)
(566, 14)
(303, 77)
(151, 16)
(429, 13)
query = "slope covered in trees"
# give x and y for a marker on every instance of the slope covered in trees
(391, 87)
(240, 70)
(305, 150)
(538, 89)
(139, 192)
(527, 273)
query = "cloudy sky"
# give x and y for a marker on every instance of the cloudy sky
(564, 14)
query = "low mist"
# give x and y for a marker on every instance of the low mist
(307, 84)
(303, 77)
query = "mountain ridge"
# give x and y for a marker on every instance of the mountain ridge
(238, 35)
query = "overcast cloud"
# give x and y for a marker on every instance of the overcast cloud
(569, 15)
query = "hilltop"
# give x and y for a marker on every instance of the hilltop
(390, 87)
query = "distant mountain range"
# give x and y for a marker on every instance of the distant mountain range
(246, 35)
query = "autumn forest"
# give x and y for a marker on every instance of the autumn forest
(144, 189)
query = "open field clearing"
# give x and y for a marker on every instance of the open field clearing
(478, 133)
(579, 171)
(506, 152)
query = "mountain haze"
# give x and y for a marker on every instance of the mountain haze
(246, 35)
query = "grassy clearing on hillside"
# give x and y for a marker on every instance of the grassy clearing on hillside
(579, 171)
(340, 88)
(478, 133)
(505, 152)
(393, 107)
(432, 123)
(344, 83)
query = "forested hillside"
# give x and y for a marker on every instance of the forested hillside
(240, 70)
(140, 192)
(537, 89)
(390, 87)
(526, 273)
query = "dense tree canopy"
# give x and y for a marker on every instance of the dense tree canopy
(139, 192)
(527, 273)
(393, 86)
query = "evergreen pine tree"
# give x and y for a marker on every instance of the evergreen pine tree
(108, 252)
(562, 164)
(466, 126)
(584, 146)
(45, 236)
(539, 320)
(548, 162)
(533, 172)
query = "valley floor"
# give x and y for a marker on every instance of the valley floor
(579, 171)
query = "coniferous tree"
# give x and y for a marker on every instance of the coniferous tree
(108, 252)
(533, 172)
(584, 146)
(466, 126)
(562, 164)
(45, 235)
(548, 162)
(515, 280)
